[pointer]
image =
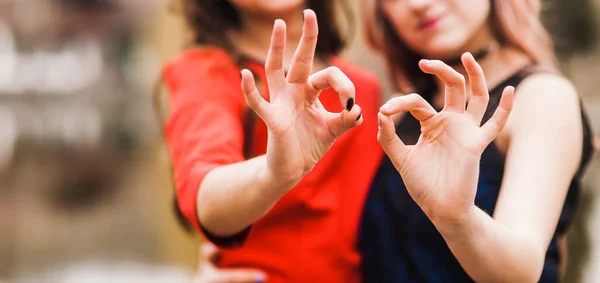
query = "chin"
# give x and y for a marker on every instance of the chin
(276, 8)
(284, 6)
(443, 48)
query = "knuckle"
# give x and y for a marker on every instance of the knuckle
(347, 89)
(413, 96)
(460, 79)
(271, 65)
(252, 103)
(456, 80)
(383, 139)
(398, 99)
(278, 47)
(474, 74)
(334, 70)
(303, 59)
(312, 36)
(480, 97)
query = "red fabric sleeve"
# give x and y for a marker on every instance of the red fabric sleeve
(205, 126)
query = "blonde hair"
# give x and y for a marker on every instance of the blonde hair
(515, 23)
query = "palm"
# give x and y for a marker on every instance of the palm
(301, 130)
(441, 170)
(447, 153)
(301, 135)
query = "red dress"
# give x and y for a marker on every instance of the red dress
(310, 234)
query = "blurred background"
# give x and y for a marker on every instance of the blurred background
(85, 190)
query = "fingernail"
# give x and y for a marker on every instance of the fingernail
(359, 115)
(350, 104)
(379, 124)
(386, 107)
(261, 278)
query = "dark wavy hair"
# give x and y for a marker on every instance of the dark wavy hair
(209, 20)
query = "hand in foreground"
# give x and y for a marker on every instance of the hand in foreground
(301, 130)
(441, 171)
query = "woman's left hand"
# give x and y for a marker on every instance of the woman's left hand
(441, 171)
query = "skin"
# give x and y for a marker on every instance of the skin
(540, 159)
(441, 29)
(297, 123)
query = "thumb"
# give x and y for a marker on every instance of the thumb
(342, 122)
(390, 142)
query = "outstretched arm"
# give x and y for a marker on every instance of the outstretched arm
(301, 131)
(543, 155)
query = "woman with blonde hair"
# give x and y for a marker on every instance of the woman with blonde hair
(460, 204)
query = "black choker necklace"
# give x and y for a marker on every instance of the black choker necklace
(479, 55)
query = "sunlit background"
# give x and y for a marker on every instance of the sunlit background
(85, 192)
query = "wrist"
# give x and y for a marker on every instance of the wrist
(282, 183)
(460, 227)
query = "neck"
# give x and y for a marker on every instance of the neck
(497, 61)
(479, 55)
(254, 39)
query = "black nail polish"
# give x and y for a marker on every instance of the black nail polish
(359, 115)
(350, 104)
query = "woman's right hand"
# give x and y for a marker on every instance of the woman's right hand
(300, 129)
(209, 272)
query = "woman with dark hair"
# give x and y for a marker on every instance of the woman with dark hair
(474, 200)
(229, 176)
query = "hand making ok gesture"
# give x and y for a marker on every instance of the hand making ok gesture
(300, 129)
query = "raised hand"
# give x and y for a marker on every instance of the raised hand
(301, 131)
(441, 171)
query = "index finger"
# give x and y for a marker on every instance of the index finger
(333, 77)
(305, 53)
(413, 103)
(453, 80)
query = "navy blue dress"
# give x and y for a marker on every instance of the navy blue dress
(400, 244)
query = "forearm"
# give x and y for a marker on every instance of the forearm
(232, 197)
(490, 252)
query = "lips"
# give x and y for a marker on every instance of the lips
(429, 23)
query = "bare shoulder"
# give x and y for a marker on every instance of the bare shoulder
(546, 107)
(546, 93)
